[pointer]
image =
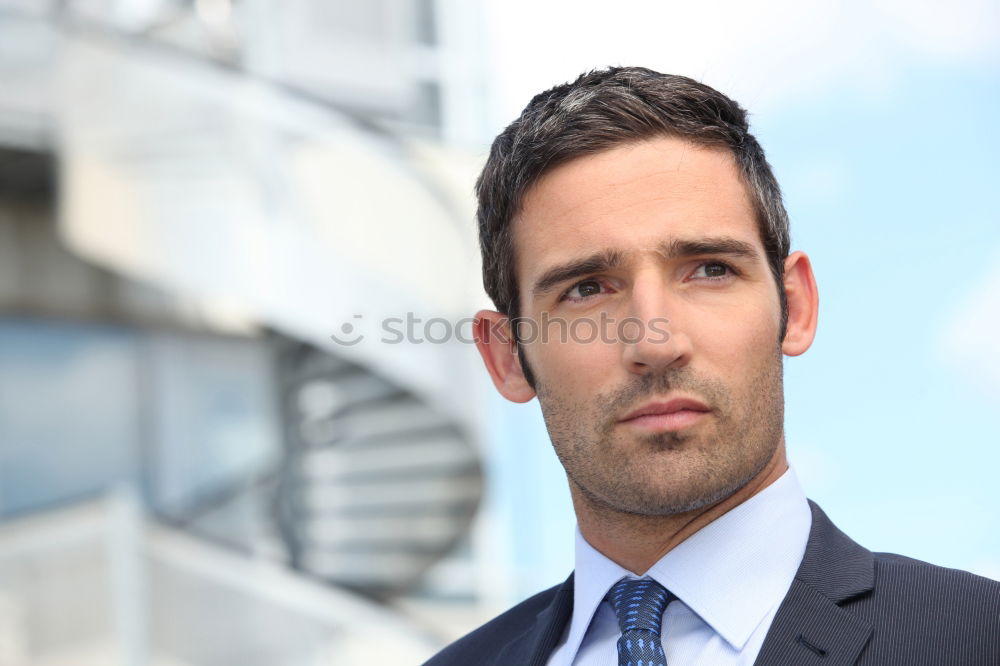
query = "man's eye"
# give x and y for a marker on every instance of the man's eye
(714, 270)
(582, 290)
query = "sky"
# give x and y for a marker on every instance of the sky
(879, 121)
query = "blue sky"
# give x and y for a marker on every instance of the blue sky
(880, 123)
(894, 199)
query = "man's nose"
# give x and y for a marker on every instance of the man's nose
(654, 338)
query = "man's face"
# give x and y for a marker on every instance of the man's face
(652, 231)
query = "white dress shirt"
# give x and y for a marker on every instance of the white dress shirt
(729, 578)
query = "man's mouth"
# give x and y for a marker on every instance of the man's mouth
(667, 415)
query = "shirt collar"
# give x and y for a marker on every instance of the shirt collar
(731, 573)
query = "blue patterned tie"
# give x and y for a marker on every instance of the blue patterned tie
(639, 606)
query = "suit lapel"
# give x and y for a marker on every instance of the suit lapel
(533, 647)
(810, 626)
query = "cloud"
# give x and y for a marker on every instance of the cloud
(969, 340)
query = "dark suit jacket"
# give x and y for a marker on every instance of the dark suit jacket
(846, 605)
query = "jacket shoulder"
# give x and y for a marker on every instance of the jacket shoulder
(906, 576)
(922, 613)
(488, 639)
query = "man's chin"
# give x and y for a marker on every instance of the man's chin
(661, 502)
(664, 496)
(675, 506)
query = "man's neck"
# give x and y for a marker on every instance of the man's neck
(637, 542)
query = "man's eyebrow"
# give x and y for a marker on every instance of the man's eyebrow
(609, 259)
(689, 247)
(595, 263)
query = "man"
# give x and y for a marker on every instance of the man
(632, 220)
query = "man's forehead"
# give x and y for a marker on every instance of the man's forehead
(630, 200)
(619, 173)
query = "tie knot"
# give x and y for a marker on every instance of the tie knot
(639, 604)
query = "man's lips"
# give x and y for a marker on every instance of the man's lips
(674, 414)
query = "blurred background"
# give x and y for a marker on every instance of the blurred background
(212, 453)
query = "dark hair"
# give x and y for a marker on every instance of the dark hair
(600, 110)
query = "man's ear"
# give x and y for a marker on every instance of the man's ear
(495, 342)
(803, 304)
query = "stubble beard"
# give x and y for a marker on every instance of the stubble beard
(616, 469)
